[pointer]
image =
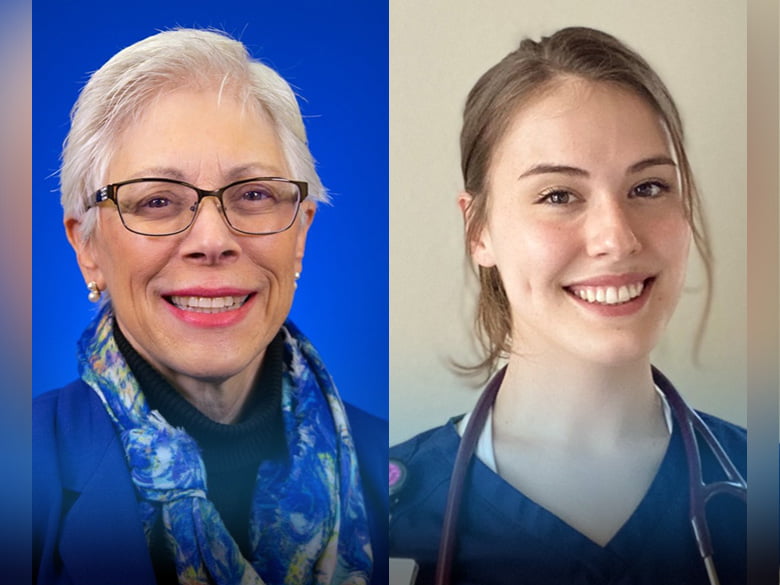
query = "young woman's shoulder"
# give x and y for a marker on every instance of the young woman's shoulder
(724, 429)
(424, 461)
(420, 470)
(733, 439)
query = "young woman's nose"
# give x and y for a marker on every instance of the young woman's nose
(611, 231)
(210, 239)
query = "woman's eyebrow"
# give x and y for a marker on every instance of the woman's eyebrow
(653, 161)
(549, 168)
(255, 169)
(162, 172)
(235, 173)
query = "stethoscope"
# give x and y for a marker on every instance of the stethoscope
(700, 492)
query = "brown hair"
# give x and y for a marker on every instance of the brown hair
(490, 108)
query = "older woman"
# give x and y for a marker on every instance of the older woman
(205, 440)
(579, 462)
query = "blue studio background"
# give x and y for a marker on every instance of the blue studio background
(335, 55)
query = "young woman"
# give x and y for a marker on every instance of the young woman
(580, 207)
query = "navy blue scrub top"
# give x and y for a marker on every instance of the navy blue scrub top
(504, 537)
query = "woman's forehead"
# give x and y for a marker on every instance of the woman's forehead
(191, 132)
(579, 122)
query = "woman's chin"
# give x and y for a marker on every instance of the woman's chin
(192, 369)
(625, 351)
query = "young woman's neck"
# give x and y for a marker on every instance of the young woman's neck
(582, 440)
(589, 406)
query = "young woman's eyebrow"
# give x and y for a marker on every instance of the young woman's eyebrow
(653, 161)
(549, 168)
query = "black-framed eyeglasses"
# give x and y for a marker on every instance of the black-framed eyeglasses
(164, 207)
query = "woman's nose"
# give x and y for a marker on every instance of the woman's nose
(611, 230)
(210, 240)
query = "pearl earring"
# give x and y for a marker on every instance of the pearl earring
(94, 291)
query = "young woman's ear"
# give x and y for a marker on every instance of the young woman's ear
(481, 246)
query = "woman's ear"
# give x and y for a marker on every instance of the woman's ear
(304, 221)
(85, 252)
(480, 245)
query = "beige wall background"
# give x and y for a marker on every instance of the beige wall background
(438, 49)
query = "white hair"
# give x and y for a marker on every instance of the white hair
(120, 91)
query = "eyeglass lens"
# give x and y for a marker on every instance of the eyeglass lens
(160, 207)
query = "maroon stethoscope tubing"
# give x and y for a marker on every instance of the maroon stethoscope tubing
(700, 493)
(468, 443)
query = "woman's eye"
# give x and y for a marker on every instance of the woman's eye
(157, 202)
(558, 197)
(649, 189)
(257, 195)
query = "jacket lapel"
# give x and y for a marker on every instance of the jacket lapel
(102, 539)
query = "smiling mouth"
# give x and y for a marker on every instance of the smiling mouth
(208, 304)
(610, 295)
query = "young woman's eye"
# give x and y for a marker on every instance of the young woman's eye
(557, 197)
(649, 189)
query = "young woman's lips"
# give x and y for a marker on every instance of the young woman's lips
(610, 295)
(210, 307)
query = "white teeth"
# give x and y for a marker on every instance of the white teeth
(208, 304)
(609, 295)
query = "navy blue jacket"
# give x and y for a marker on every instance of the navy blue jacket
(86, 527)
(504, 537)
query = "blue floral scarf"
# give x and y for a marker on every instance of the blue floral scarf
(308, 522)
